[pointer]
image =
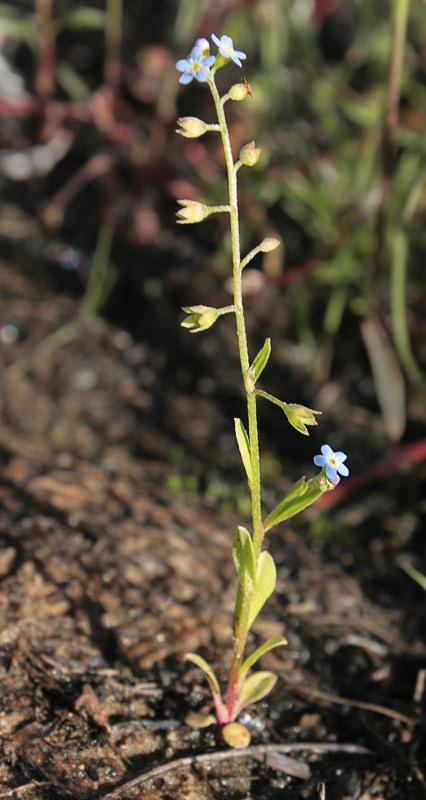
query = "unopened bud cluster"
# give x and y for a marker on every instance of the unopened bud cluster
(238, 92)
(191, 127)
(269, 244)
(200, 318)
(299, 416)
(249, 154)
(192, 211)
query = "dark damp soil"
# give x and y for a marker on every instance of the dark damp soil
(115, 560)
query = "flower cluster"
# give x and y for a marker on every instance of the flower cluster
(198, 64)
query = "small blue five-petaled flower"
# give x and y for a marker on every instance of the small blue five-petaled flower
(226, 49)
(196, 66)
(333, 463)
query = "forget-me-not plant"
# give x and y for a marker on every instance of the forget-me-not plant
(254, 565)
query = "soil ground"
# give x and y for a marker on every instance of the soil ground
(113, 565)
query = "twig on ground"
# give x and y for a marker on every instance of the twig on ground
(256, 751)
(19, 790)
(345, 701)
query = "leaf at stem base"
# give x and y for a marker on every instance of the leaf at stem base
(255, 687)
(206, 669)
(266, 577)
(278, 641)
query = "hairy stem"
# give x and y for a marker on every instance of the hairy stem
(241, 624)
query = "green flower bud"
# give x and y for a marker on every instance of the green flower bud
(201, 318)
(249, 154)
(191, 127)
(192, 211)
(268, 244)
(238, 91)
(300, 416)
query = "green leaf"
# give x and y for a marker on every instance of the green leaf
(399, 307)
(293, 503)
(415, 574)
(206, 669)
(260, 361)
(84, 17)
(298, 489)
(256, 686)
(71, 82)
(19, 29)
(278, 641)
(387, 374)
(243, 553)
(266, 578)
(238, 606)
(244, 446)
(7, 10)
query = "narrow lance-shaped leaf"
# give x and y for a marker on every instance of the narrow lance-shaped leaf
(206, 669)
(387, 376)
(266, 578)
(260, 362)
(244, 447)
(278, 641)
(243, 554)
(238, 607)
(256, 686)
(84, 17)
(19, 29)
(300, 496)
(415, 574)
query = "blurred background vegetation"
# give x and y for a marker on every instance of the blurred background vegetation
(91, 168)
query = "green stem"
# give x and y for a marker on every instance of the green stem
(113, 34)
(400, 32)
(241, 628)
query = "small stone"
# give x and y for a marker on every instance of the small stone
(7, 557)
(197, 720)
(236, 735)
(84, 380)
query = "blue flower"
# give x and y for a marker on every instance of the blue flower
(333, 463)
(226, 49)
(196, 66)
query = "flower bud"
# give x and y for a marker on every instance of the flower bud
(204, 45)
(238, 91)
(191, 127)
(268, 244)
(300, 416)
(201, 318)
(249, 154)
(192, 211)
